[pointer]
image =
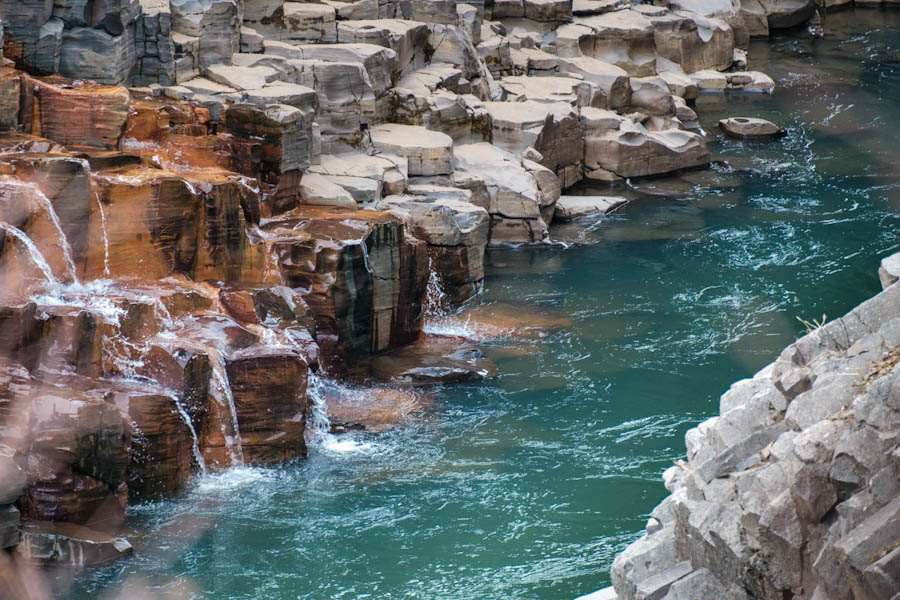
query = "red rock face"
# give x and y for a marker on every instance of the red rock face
(269, 388)
(363, 278)
(79, 113)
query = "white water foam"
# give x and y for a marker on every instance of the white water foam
(235, 478)
(196, 442)
(319, 424)
(63, 240)
(220, 374)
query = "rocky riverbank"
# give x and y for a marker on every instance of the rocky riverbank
(792, 490)
(221, 201)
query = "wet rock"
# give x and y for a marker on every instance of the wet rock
(269, 391)
(76, 458)
(70, 545)
(432, 360)
(573, 207)
(456, 232)
(372, 409)
(749, 127)
(362, 277)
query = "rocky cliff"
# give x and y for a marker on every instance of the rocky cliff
(203, 202)
(793, 491)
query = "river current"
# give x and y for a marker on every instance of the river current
(527, 486)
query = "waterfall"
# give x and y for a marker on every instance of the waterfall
(318, 423)
(220, 374)
(105, 234)
(63, 240)
(435, 298)
(33, 251)
(187, 421)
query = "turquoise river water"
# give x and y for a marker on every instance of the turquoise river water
(528, 485)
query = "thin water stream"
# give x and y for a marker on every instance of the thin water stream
(527, 486)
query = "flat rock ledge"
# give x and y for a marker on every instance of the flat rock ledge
(793, 490)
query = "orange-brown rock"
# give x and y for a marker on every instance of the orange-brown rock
(158, 437)
(269, 387)
(17, 141)
(66, 182)
(362, 276)
(431, 360)
(372, 409)
(278, 307)
(79, 113)
(160, 223)
(461, 270)
(28, 218)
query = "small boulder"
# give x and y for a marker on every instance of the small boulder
(749, 127)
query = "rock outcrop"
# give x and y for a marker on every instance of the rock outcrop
(792, 490)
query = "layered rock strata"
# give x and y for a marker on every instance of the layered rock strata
(204, 202)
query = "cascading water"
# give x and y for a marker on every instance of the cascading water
(61, 235)
(105, 233)
(220, 373)
(198, 456)
(33, 252)
(318, 425)
(435, 298)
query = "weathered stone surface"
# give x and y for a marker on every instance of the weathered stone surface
(749, 127)
(553, 129)
(629, 149)
(427, 152)
(515, 198)
(623, 38)
(573, 207)
(797, 469)
(215, 24)
(88, 53)
(80, 113)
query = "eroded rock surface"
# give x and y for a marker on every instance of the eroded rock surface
(791, 491)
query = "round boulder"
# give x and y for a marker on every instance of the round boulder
(749, 127)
